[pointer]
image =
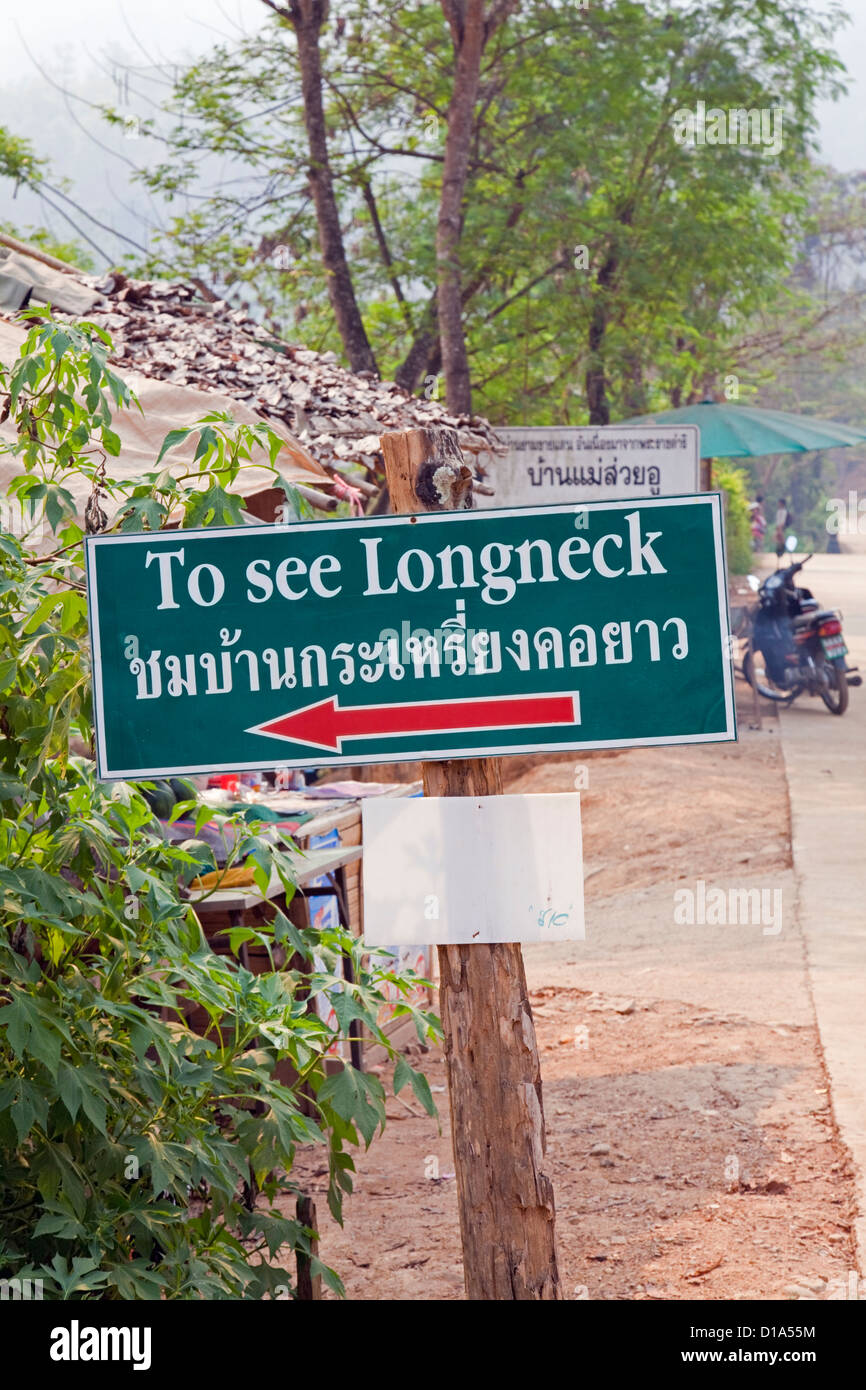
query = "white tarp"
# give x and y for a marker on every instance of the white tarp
(167, 407)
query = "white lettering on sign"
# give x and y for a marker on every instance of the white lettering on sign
(217, 582)
(163, 559)
(167, 599)
(498, 569)
(639, 552)
(537, 563)
(259, 579)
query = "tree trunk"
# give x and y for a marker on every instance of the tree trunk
(596, 379)
(307, 18)
(494, 1077)
(596, 372)
(411, 369)
(467, 27)
(634, 397)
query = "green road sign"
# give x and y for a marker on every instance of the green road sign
(385, 639)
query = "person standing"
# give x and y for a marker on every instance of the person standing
(758, 523)
(783, 521)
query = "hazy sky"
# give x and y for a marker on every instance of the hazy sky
(50, 26)
(59, 32)
(72, 43)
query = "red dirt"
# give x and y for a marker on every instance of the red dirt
(670, 1090)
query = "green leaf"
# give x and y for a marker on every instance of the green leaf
(10, 786)
(45, 606)
(346, 1093)
(8, 672)
(44, 1045)
(70, 1089)
(23, 1116)
(59, 1223)
(421, 1087)
(48, 892)
(173, 437)
(93, 1106)
(402, 1074)
(15, 1017)
(207, 441)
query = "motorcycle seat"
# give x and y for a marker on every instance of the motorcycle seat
(808, 619)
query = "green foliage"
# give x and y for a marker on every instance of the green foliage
(733, 482)
(573, 147)
(70, 251)
(128, 1142)
(18, 159)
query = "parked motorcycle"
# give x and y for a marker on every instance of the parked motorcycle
(802, 644)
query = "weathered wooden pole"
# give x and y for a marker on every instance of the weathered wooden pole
(494, 1076)
(309, 1285)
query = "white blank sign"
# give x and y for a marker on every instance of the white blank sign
(472, 869)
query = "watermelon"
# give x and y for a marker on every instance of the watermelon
(160, 798)
(183, 789)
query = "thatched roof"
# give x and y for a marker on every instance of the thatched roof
(168, 332)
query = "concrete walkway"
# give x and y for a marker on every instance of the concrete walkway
(825, 761)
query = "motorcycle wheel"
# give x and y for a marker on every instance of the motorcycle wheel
(835, 692)
(767, 692)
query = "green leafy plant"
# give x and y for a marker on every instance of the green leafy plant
(738, 534)
(142, 1159)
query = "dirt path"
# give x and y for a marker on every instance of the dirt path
(691, 1139)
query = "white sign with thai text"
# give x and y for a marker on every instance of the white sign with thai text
(586, 464)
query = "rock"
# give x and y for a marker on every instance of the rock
(816, 1284)
(599, 1149)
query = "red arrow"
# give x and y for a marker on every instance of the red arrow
(325, 724)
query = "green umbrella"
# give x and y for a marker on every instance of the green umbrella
(745, 431)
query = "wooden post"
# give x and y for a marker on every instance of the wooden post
(494, 1076)
(706, 475)
(309, 1284)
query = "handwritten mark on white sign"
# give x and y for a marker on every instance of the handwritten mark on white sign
(500, 868)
